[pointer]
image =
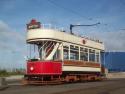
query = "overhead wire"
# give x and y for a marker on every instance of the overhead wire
(69, 10)
(122, 2)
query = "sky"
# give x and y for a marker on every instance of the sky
(15, 14)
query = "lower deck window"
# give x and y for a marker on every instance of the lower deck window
(66, 56)
(91, 55)
(84, 56)
(74, 55)
(97, 57)
(73, 52)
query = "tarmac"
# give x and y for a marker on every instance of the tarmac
(110, 86)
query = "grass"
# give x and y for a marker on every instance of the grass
(4, 73)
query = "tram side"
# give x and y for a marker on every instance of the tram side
(81, 63)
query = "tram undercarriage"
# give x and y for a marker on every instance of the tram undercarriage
(66, 77)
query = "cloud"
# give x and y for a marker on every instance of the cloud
(9, 37)
(113, 40)
(12, 46)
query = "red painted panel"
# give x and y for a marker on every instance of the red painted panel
(44, 67)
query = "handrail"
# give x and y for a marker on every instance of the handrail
(50, 26)
(53, 52)
(50, 47)
(42, 46)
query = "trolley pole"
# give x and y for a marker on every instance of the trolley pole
(71, 26)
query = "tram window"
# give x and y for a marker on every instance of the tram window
(91, 55)
(66, 55)
(83, 54)
(76, 47)
(66, 52)
(97, 57)
(57, 55)
(71, 46)
(66, 47)
(74, 52)
(86, 57)
(33, 53)
(86, 50)
(82, 49)
(74, 55)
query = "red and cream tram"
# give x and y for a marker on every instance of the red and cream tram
(58, 56)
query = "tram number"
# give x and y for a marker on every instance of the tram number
(84, 41)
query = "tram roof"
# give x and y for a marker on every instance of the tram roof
(40, 34)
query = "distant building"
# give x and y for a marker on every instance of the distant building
(114, 61)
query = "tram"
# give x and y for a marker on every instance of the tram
(56, 56)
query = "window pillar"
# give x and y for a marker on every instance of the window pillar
(79, 54)
(62, 55)
(69, 52)
(99, 57)
(95, 56)
(88, 55)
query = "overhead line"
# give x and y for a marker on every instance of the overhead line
(67, 9)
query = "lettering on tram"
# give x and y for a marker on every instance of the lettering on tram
(84, 41)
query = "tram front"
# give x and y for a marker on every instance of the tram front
(44, 54)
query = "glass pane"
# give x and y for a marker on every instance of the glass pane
(66, 50)
(74, 55)
(74, 52)
(97, 57)
(91, 57)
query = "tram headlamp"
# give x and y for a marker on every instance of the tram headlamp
(31, 68)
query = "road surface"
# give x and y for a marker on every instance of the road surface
(112, 86)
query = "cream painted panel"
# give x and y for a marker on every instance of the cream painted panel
(50, 33)
(74, 68)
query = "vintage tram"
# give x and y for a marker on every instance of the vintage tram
(56, 56)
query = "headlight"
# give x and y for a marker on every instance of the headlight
(31, 68)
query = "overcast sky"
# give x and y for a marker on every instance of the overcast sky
(15, 14)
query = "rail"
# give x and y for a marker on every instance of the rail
(49, 47)
(42, 47)
(50, 26)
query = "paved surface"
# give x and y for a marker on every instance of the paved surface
(114, 86)
(116, 75)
